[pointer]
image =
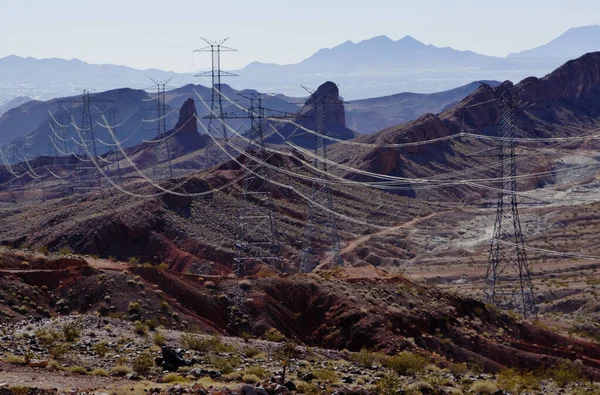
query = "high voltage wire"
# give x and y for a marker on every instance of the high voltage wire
(402, 180)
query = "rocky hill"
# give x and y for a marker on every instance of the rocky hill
(564, 103)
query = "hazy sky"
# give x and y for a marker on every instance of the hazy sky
(162, 34)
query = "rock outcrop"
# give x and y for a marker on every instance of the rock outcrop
(335, 119)
(185, 136)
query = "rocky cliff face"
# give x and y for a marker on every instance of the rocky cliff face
(185, 137)
(335, 119)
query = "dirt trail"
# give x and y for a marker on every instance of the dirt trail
(353, 244)
(14, 376)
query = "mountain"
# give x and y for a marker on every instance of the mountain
(360, 116)
(383, 53)
(372, 115)
(571, 44)
(17, 101)
(46, 78)
(376, 67)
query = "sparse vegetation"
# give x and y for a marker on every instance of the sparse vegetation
(143, 364)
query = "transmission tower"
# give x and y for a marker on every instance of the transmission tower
(113, 154)
(508, 279)
(86, 176)
(320, 197)
(215, 48)
(257, 238)
(163, 167)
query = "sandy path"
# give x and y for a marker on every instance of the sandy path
(14, 375)
(353, 244)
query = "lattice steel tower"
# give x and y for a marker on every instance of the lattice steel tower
(257, 238)
(163, 167)
(508, 279)
(215, 48)
(320, 197)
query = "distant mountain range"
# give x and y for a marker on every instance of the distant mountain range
(32, 118)
(375, 67)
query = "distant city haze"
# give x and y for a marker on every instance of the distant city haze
(158, 34)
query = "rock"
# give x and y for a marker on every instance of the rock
(335, 118)
(38, 363)
(290, 386)
(308, 377)
(347, 380)
(199, 372)
(172, 359)
(251, 390)
(133, 376)
(281, 390)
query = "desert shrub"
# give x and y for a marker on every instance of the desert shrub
(15, 359)
(245, 284)
(54, 365)
(565, 373)
(225, 365)
(143, 363)
(121, 370)
(43, 250)
(77, 370)
(72, 330)
(326, 375)
(218, 345)
(140, 328)
(159, 339)
(251, 352)
(163, 266)
(47, 337)
(19, 390)
(389, 383)
(65, 251)
(195, 343)
(273, 335)
(256, 371)
(287, 351)
(133, 307)
(173, 378)
(484, 387)
(250, 379)
(151, 324)
(100, 372)
(517, 382)
(58, 350)
(406, 362)
(246, 336)
(101, 348)
(363, 358)
(303, 387)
